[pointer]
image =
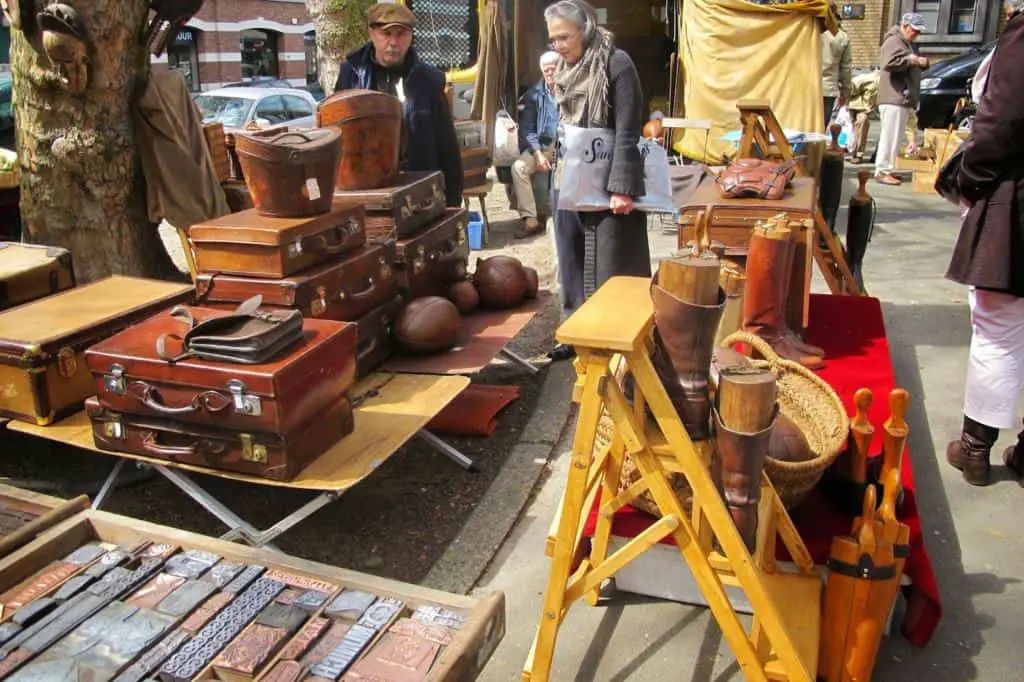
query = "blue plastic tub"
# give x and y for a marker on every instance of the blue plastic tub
(475, 230)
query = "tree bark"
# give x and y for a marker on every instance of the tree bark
(82, 186)
(340, 28)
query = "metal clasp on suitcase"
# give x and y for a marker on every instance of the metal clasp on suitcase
(420, 261)
(245, 403)
(461, 237)
(385, 267)
(115, 381)
(429, 204)
(67, 363)
(253, 452)
(114, 429)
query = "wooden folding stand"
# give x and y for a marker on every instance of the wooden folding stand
(612, 331)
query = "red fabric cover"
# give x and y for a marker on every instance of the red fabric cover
(474, 411)
(852, 332)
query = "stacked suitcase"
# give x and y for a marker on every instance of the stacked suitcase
(31, 271)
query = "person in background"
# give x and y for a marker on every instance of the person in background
(538, 125)
(987, 257)
(597, 86)
(388, 63)
(836, 67)
(898, 91)
(863, 100)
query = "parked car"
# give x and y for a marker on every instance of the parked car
(944, 83)
(260, 82)
(315, 90)
(235, 107)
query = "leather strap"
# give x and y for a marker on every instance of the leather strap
(864, 570)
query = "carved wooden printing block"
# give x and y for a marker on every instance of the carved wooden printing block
(251, 649)
(397, 658)
(285, 671)
(150, 594)
(223, 573)
(152, 659)
(185, 599)
(304, 640)
(210, 608)
(328, 643)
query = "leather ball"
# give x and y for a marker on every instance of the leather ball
(428, 325)
(500, 281)
(465, 297)
(532, 282)
(787, 442)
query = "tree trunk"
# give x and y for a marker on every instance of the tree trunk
(82, 186)
(340, 28)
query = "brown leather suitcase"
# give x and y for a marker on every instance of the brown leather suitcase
(43, 374)
(416, 200)
(475, 162)
(31, 271)
(274, 456)
(247, 243)
(291, 173)
(375, 345)
(429, 262)
(343, 290)
(276, 397)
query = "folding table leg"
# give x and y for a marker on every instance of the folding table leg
(108, 485)
(295, 518)
(520, 360)
(446, 450)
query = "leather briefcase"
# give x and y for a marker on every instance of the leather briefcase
(475, 163)
(345, 290)
(42, 344)
(403, 210)
(375, 344)
(247, 243)
(756, 178)
(277, 397)
(429, 262)
(31, 271)
(279, 457)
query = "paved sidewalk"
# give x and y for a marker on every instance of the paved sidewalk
(972, 534)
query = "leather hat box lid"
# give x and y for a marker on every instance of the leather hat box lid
(318, 359)
(249, 227)
(17, 258)
(297, 291)
(383, 198)
(32, 334)
(451, 227)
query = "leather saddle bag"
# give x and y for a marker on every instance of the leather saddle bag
(756, 178)
(247, 336)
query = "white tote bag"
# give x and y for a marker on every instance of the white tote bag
(506, 140)
(585, 161)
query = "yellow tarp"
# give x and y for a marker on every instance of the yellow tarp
(732, 50)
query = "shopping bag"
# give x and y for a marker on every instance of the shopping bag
(584, 163)
(847, 139)
(506, 139)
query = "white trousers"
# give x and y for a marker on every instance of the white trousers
(995, 369)
(890, 135)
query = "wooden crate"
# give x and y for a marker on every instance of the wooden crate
(39, 512)
(216, 142)
(904, 163)
(924, 182)
(463, 659)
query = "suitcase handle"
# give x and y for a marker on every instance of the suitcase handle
(319, 242)
(199, 447)
(211, 401)
(371, 287)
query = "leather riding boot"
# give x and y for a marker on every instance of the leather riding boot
(684, 339)
(793, 337)
(858, 233)
(736, 470)
(970, 453)
(764, 305)
(1013, 457)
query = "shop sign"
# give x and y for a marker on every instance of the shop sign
(185, 36)
(852, 11)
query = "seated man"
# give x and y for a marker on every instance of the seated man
(538, 123)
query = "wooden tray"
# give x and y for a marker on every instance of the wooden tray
(463, 659)
(45, 511)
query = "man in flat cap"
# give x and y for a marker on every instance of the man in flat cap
(388, 63)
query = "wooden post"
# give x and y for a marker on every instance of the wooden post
(746, 399)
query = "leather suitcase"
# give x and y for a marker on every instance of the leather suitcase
(375, 345)
(475, 162)
(416, 200)
(344, 290)
(274, 456)
(43, 374)
(276, 397)
(247, 243)
(31, 271)
(433, 259)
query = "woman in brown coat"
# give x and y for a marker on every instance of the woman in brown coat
(989, 257)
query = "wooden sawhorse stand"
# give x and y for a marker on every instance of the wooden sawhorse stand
(612, 331)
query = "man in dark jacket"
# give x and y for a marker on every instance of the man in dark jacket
(898, 90)
(988, 257)
(388, 63)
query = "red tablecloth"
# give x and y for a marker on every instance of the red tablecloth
(852, 332)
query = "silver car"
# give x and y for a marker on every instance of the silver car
(235, 107)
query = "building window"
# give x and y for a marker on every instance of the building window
(183, 57)
(954, 24)
(312, 69)
(259, 54)
(929, 11)
(963, 16)
(447, 32)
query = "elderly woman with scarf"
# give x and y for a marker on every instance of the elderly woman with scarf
(597, 86)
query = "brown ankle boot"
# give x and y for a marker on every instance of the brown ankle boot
(736, 470)
(684, 340)
(787, 331)
(1013, 457)
(970, 454)
(764, 302)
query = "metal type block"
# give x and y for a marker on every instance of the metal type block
(183, 567)
(73, 586)
(204, 613)
(244, 579)
(289, 595)
(284, 671)
(185, 599)
(338, 661)
(107, 562)
(153, 658)
(283, 617)
(381, 613)
(251, 650)
(159, 550)
(311, 600)
(398, 658)
(113, 576)
(8, 631)
(309, 633)
(438, 615)
(223, 573)
(153, 592)
(304, 582)
(350, 604)
(208, 558)
(439, 634)
(38, 585)
(328, 642)
(125, 583)
(86, 554)
(60, 621)
(15, 659)
(34, 611)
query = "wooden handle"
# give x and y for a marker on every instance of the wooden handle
(834, 130)
(896, 432)
(866, 534)
(898, 401)
(862, 402)
(859, 443)
(746, 398)
(890, 491)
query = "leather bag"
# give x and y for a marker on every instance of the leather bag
(371, 129)
(403, 210)
(756, 178)
(375, 344)
(435, 258)
(290, 174)
(947, 182)
(247, 336)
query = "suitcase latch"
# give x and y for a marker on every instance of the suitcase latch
(352, 228)
(319, 305)
(294, 250)
(419, 262)
(385, 268)
(67, 364)
(245, 403)
(114, 382)
(114, 429)
(253, 452)
(462, 233)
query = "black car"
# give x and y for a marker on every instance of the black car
(944, 83)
